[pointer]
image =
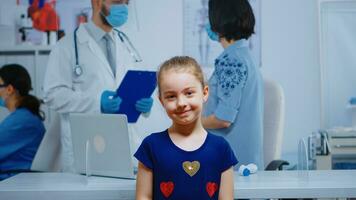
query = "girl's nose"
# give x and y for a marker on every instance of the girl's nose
(181, 102)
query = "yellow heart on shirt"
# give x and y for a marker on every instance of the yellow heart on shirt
(191, 168)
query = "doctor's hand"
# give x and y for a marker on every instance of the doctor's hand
(144, 105)
(109, 103)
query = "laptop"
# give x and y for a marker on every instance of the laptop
(101, 145)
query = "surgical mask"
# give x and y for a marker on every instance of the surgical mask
(2, 102)
(118, 15)
(212, 35)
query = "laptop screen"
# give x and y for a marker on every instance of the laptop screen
(101, 145)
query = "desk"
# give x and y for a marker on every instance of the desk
(264, 184)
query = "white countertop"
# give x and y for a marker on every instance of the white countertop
(264, 184)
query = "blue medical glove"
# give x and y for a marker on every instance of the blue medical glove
(144, 105)
(212, 35)
(109, 102)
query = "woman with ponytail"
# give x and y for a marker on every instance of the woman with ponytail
(22, 130)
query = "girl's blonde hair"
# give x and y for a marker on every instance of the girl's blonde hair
(180, 64)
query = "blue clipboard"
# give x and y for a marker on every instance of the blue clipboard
(135, 85)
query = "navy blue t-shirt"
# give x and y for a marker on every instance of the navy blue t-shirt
(180, 174)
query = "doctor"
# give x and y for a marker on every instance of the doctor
(86, 67)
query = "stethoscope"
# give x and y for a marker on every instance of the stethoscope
(78, 70)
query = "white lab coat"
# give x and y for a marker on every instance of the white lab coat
(65, 93)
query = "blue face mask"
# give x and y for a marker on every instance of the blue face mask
(2, 102)
(212, 35)
(118, 15)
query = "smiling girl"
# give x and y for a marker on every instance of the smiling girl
(184, 161)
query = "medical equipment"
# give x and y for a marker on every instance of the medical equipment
(44, 15)
(316, 144)
(338, 150)
(246, 170)
(78, 69)
(130, 48)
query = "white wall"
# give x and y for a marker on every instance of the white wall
(290, 56)
(338, 62)
(67, 11)
(161, 30)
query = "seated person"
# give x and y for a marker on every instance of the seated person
(21, 132)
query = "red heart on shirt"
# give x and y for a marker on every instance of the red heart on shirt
(166, 188)
(211, 188)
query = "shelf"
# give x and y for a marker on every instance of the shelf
(25, 47)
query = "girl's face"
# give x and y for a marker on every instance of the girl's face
(182, 95)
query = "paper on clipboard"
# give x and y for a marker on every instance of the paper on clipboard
(135, 86)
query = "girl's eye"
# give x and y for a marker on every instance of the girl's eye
(189, 93)
(170, 96)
